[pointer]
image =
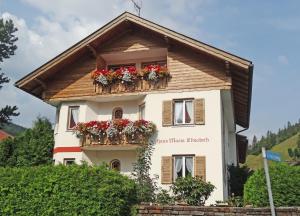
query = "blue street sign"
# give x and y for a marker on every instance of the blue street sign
(273, 156)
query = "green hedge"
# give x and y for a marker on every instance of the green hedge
(285, 182)
(65, 190)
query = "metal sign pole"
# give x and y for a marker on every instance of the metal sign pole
(268, 181)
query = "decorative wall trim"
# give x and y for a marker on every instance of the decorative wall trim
(67, 149)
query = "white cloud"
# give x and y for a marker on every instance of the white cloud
(62, 23)
(282, 59)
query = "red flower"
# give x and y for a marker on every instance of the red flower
(141, 122)
(121, 123)
(98, 72)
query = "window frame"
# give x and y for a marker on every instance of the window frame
(114, 111)
(66, 160)
(158, 62)
(183, 157)
(143, 105)
(184, 100)
(69, 116)
(114, 67)
(113, 161)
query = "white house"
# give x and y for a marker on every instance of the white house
(133, 69)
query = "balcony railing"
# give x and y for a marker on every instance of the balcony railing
(136, 86)
(118, 132)
(129, 79)
(91, 140)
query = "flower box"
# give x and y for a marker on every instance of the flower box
(115, 132)
(127, 79)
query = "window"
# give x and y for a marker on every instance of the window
(69, 161)
(183, 112)
(115, 67)
(73, 117)
(142, 111)
(118, 113)
(161, 63)
(115, 165)
(183, 166)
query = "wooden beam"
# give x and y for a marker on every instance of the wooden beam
(92, 50)
(41, 83)
(227, 68)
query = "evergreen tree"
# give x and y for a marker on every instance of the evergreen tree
(291, 152)
(31, 148)
(271, 139)
(7, 49)
(254, 141)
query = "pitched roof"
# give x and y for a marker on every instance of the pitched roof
(4, 135)
(28, 82)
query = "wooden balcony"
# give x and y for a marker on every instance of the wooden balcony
(121, 142)
(136, 86)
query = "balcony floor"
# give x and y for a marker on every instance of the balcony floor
(125, 147)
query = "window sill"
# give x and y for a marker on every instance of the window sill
(183, 125)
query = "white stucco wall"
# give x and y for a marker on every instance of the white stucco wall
(211, 143)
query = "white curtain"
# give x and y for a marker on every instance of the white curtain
(178, 166)
(75, 113)
(189, 165)
(178, 112)
(188, 111)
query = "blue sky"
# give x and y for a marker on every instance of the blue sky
(265, 32)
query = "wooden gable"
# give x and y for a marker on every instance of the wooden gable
(188, 70)
(132, 41)
(193, 65)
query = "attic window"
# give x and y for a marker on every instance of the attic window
(161, 63)
(115, 67)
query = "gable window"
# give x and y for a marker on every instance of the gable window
(183, 112)
(116, 67)
(142, 111)
(161, 63)
(73, 115)
(69, 161)
(115, 165)
(183, 166)
(117, 113)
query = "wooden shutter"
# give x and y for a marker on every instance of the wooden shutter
(167, 113)
(200, 167)
(199, 107)
(166, 169)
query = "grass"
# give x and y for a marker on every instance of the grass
(255, 161)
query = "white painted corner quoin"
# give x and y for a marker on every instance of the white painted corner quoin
(133, 69)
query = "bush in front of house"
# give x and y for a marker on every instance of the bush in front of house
(65, 190)
(238, 176)
(285, 183)
(192, 190)
(163, 197)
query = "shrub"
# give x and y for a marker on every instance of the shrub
(164, 198)
(65, 190)
(238, 177)
(284, 182)
(146, 186)
(192, 190)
